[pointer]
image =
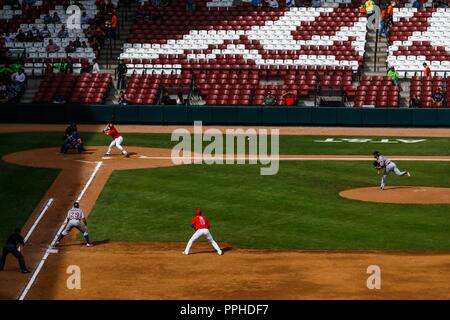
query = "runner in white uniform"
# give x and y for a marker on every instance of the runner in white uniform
(75, 219)
(388, 166)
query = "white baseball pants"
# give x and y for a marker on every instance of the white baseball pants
(118, 144)
(202, 233)
(391, 167)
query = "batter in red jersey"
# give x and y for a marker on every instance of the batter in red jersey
(117, 139)
(201, 227)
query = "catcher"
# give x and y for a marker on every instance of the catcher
(382, 163)
(73, 141)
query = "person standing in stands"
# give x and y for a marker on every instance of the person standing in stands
(426, 70)
(393, 74)
(114, 26)
(121, 74)
(14, 241)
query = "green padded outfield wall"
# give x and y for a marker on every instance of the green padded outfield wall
(282, 116)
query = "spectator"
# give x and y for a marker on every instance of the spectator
(273, 4)
(45, 33)
(121, 74)
(180, 99)
(84, 19)
(426, 70)
(95, 45)
(290, 3)
(270, 100)
(438, 96)
(83, 44)
(48, 68)
(316, 3)
(11, 94)
(417, 4)
(95, 67)
(14, 241)
(70, 47)
(36, 34)
(110, 8)
(63, 32)
(167, 100)
(369, 5)
(3, 97)
(393, 74)
(385, 25)
(123, 100)
(69, 62)
(77, 42)
(113, 25)
(51, 47)
(288, 99)
(190, 5)
(256, 3)
(415, 102)
(48, 18)
(19, 77)
(61, 67)
(56, 18)
(20, 36)
(59, 99)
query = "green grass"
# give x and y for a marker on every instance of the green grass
(167, 196)
(298, 208)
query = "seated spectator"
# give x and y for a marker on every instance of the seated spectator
(273, 4)
(61, 67)
(180, 99)
(256, 3)
(270, 100)
(288, 99)
(95, 67)
(69, 62)
(77, 42)
(59, 99)
(438, 95)
(48, 68)
(52, 47)
(417, 4)
(11, 94)
(20, 36)
(19, 77)
(45, 33)
(393, 74)
(48, 18)
(95, 45)
(36, 34)
(85, 66)
(84, 19)
(190, 5)
(56, 18)
(63, 32)
(84, 45)
(123, 100)
(415, 102)
(316, 3)
(167, 100)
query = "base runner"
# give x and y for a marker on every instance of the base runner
(75, 219)
(201, 227)
(389, 166)
(117, 140)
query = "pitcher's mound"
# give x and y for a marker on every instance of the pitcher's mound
(400, 194)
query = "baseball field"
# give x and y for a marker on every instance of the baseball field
(308, 232)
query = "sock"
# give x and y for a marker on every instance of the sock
(87, 239)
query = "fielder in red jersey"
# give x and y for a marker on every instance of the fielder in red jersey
(201, 227)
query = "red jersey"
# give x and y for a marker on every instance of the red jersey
(427, 71)
(289, 100)
(113, 133)
(200, 222)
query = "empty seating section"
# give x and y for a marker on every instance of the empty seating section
(86, 88)
(377, 91)
(420, 36)
(423, 89)
(53, 85)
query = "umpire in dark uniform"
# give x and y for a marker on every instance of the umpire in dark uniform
(14, 241)
(121, 74)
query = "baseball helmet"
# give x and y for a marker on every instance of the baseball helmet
(198, 212)
(76, 204)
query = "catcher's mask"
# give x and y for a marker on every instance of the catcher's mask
(198, 212)
(76, 205)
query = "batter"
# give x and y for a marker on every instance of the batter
(117, 140)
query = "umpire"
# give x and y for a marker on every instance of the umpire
(14, 241)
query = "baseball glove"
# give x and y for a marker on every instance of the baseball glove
(377, 166)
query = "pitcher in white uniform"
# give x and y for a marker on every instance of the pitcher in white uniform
(75, 219)
(388, 166)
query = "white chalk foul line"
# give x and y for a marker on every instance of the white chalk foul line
(52, 244)
(36, 222)
(274, 157)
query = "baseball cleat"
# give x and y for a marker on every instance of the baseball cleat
(56, 244)
(25, 271)
(127, 155)
(184, 253)
(89, 245)
(408, 174)
(220, 253)
(107, 154)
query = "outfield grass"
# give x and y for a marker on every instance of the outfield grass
(23, 187)
(298, 208)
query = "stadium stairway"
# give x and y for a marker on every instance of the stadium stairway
(109, 64)
(369, 56)
(31, 90)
